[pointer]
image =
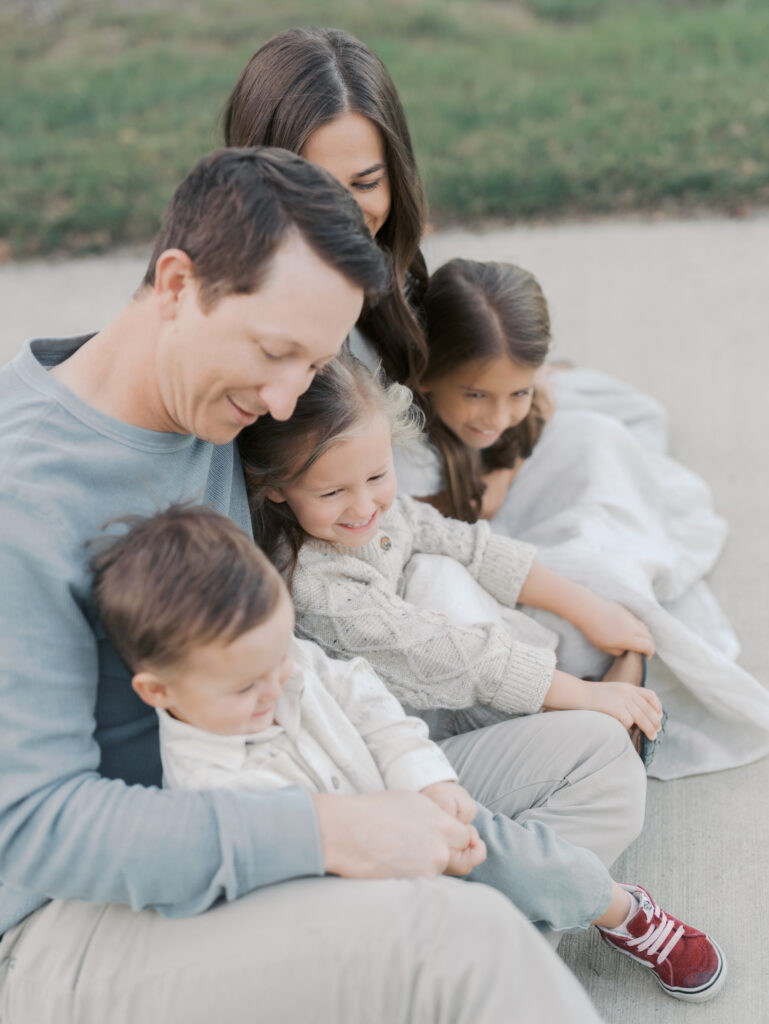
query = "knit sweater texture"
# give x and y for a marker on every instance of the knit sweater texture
(350, 601)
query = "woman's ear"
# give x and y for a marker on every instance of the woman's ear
(273, 494)
(151, 690)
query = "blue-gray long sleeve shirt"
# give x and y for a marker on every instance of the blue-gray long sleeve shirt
(81, 812)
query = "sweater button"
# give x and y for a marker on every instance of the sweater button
(385, 543)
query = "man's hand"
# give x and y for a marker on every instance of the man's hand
(453, 799)
(393, 835)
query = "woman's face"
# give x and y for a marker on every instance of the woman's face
(352, 149)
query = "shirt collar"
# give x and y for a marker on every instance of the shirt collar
(229, 752)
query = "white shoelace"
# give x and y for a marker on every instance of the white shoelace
(656, 935)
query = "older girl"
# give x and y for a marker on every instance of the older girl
(488, 333)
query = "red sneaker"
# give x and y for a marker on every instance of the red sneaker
(686, 963)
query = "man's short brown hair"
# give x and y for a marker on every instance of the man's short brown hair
(182, 579)
(236, 206)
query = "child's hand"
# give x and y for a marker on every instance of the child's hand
(610, 627)
(454, 800)
(463, 861)
(631, 705)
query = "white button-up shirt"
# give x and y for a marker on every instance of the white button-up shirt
(337, 729)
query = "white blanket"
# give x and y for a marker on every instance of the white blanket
(637, 527)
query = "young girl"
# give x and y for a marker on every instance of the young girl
(325, 510)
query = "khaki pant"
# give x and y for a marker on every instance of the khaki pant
(334, 951)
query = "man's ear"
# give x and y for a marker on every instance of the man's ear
(173, 276)
(273, 494)
(151, 690)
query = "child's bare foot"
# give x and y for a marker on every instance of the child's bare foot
(627, 668)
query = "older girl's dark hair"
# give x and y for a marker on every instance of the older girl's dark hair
(275, 453)
(476, 312)
(303, 79)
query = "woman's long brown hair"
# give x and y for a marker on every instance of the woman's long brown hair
(302, 79)
(475, 312)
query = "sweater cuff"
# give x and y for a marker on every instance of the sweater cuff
(526, 681)
(505, 566)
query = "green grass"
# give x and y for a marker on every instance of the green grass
(543, 108)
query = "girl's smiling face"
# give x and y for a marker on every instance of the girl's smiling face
(351, 148)
(479, 401)
(342, 497)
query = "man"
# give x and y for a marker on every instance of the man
(112, 889)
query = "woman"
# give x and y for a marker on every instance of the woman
(597, 496)
(325, 95)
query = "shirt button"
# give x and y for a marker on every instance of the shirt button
(335, 782)
(385, 543)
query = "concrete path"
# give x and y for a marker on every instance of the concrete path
(680, 309)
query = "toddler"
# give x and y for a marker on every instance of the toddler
(205, 624)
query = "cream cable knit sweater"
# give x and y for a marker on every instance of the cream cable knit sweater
(349, 601)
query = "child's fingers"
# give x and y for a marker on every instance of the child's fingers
(651, 698)
(647, 717)
(646, 725)
(473, 854)
(642, 641)
(646, 645)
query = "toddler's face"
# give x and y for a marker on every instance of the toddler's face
(480, 401)
(232, 689)
(344, 494)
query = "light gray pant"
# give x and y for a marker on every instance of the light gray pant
(334, 950)
(570, 775)
(575, 771)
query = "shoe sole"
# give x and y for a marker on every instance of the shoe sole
(700, 995)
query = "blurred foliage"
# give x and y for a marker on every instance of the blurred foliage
(542, 108)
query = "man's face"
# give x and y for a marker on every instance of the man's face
(220, 370)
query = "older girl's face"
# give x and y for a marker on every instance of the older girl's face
(479, 401)
(352, 149)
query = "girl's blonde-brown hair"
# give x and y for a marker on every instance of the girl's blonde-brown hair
(275, 453)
